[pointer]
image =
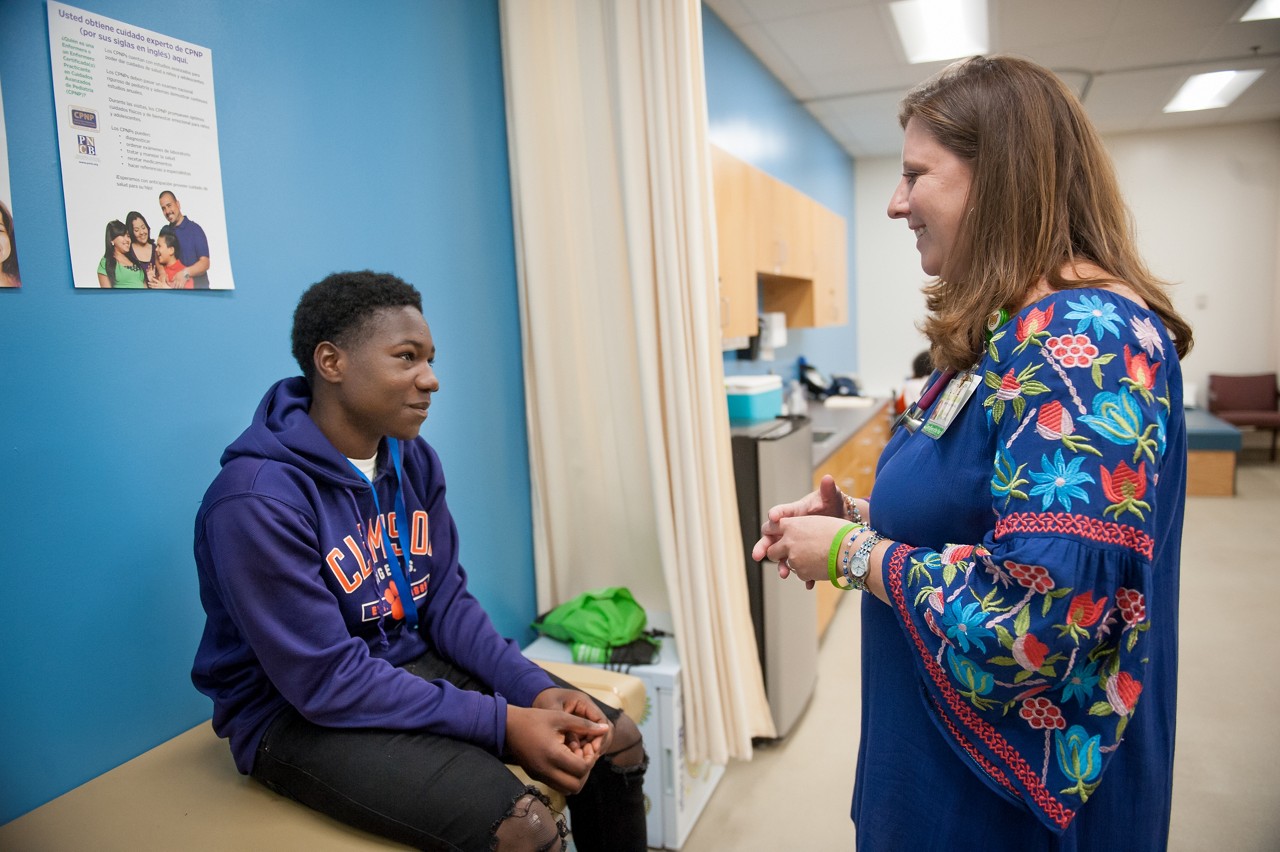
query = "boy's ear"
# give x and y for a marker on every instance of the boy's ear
(329, 362)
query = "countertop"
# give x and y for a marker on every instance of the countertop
(833, 425)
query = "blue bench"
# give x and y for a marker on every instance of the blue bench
(1213, 445)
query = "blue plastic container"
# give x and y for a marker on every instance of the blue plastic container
(754, 397)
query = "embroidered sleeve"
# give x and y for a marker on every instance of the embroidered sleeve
(1031, 641)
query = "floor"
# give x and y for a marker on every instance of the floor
(795, 795)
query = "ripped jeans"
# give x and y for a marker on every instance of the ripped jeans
(434, 792)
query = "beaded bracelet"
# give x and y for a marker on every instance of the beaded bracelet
(851, 512)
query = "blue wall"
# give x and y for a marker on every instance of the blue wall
(349, 139)
(754, 117)
(352, 136)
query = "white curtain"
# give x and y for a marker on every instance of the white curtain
(628, 432)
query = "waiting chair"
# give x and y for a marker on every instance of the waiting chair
(1247, 401)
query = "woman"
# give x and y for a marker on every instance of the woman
(8, 250)
(117, 269)
(1021, 544)
(141, 247)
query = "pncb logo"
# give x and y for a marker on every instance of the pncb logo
(85, 146)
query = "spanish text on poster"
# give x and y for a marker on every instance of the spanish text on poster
(9, 276)
(138, 142)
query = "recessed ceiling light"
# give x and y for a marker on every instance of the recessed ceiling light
(1262, 10)
(1211, 91)
(932, 30)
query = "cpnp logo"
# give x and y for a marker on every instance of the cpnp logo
(87, 118)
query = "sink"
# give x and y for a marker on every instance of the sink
(822, 437)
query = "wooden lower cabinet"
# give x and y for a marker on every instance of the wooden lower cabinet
(854, 469)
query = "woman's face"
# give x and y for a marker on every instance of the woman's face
(121, 244)
(6, 247)
(141, 233)
(932, 195)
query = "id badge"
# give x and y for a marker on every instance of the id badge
(953, 399)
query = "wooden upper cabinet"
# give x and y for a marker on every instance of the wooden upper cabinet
(735, 240)
(777, 248)
(784, 228)
(831, 268)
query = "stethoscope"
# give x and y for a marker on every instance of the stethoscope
(913, 417)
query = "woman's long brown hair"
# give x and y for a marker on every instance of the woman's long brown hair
(1044, 197)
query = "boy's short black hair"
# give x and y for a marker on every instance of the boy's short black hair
(337, 308)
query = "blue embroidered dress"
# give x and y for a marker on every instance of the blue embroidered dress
(1019, 692)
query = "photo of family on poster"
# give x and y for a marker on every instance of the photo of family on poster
(9, 276)
(176, 259)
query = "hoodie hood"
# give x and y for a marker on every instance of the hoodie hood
(282, 430)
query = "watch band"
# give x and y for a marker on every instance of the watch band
(859, 566)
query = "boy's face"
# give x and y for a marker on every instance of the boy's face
(387, 379)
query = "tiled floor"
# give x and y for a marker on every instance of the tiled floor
(795, 795)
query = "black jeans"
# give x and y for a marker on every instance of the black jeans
(434, 792)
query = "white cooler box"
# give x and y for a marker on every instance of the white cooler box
(675, 791)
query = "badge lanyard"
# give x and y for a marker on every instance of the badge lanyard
(399, 574)
(955, 387)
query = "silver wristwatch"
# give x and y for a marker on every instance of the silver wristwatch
(860, 565)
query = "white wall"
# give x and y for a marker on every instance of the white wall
(888, 277)
(1207, 206)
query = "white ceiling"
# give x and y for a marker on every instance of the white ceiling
(842, 59)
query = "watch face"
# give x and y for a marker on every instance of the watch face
(860, 567)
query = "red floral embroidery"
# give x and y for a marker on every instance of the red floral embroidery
(1141, 371)
(1041, 713)
(1072, 350)
(1030, 576)
(1122, 692)
(1034, 323)
(1084, 610)
(1124, 483)
(1133, 606)
(1010, 387)
(1029, 651)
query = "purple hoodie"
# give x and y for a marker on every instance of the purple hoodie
(293, 563)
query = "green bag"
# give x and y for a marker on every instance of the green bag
(602, 626)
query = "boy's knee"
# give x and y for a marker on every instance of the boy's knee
(627, 748)
(530, 826)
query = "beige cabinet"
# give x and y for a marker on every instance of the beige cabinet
(778, 250)
(735, 241)
(784, 227)
(854, 469)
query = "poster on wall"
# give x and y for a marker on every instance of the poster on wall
(9, 275)
(138, 143)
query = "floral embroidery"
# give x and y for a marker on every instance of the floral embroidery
(1148, 338)
(1032, 327)
(1142, 374)
(1012, 389)
(1079, 683)
(1080, 758)
(1118, 418)
(1054, 423)
(1042, 713)
(1091, 311)
(1125, 488)
(1033, 664)
(1007, 480)
(965, 624)
(1072, 350)
(1061, 481)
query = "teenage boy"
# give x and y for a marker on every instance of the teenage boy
(348, 664)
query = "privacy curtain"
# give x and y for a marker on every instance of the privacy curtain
(628, 432)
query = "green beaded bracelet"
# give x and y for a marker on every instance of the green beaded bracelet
(834, 553)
